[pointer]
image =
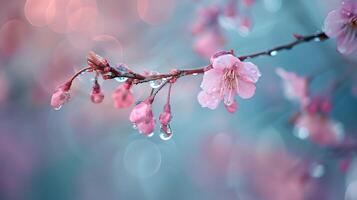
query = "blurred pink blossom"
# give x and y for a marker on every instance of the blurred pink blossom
(227, 78)
(342, 25)
(207, 43)
(295, 87)
(320, 129)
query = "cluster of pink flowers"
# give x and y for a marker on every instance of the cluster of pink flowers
(313, 120)
(207, 26)
(342, 25)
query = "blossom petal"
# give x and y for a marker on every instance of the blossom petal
(347, 43)
(224, 61)
(211, 81)
(245, 89)
(210, 101)
(334, 24)
(249, 72)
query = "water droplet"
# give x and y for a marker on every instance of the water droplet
(317, 170)
(317, 39)
(135, 126)
(58, 108)
(121, 79)
(273, 53)
(156, 83)
(151, 134)
(194, 74)
(302, 133)
(165, 136)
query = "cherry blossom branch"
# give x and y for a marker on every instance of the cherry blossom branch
(142, 116)
(299, 40)
(179, 73)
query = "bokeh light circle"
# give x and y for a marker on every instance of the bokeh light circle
(36, 11)
(155, 12)
(142, 158)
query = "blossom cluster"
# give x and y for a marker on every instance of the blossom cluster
(313, 120)
(208, 24)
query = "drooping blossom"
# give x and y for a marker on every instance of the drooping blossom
(142, 117)
(165, 118)
(208, 43)
(320, 129)
(295, 87)
(97, 96)
(60, 96)
(228, 77)
(123, 96)
(342, 25)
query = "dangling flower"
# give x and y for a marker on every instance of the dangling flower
(228, 77)
(342, 25)
(142, 117)
(295, 87)
(123, 96)
(97, 96)
(60, 96)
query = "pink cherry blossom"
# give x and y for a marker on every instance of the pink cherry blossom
(320, 129)
(295, 87)
(208, 43)
(228, 77)
(142, 117)
(123, 96)
(342, 25)
(60, 96)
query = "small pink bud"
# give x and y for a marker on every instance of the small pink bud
(345, 164)
(97, 96)
(231, 108)
(122, 96)
(60, 96)
(298, 37)
(165, 116)
(96, 61)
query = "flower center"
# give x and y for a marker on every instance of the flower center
(230, 79)
(353, 22)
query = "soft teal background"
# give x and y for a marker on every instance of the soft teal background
(87, 151)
